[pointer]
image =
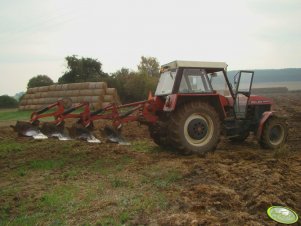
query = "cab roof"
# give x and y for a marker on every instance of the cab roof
(195, 64)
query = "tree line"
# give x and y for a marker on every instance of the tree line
(131, 85)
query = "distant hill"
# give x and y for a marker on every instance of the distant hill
(273, 75)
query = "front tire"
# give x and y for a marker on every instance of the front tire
(274, 134)
(194, 128)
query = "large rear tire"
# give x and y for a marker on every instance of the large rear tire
(274, 133)
(158, 132)
(194, 128)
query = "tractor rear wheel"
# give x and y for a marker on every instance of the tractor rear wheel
(158, 133)
(274, 133)
(194, 128)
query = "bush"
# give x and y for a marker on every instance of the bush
(39, 80)
(8, 102)
(133, 87)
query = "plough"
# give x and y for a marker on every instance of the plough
(83, 127)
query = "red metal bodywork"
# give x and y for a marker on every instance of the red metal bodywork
(253, 100)
(143, 111)
(172, 100)
(35, 116)
(60, 114)
(259, 100)
(265, 116)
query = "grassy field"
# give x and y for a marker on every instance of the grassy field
(50, 182)
(72, 183)
(10, 115)
(14, 114)
(55, 183)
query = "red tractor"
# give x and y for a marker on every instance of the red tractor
(197, 104)
(193, 106)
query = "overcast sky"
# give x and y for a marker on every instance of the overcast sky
(36, 36)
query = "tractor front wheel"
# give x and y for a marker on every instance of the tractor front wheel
(274, 133)
(194, 128)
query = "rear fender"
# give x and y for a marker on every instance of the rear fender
(175, 100)
(265, 116)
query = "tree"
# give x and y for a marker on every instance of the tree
(132, 86)
(82, 70)
(135, 85)
(149, 66)
(118, 80)
(8, 102)
(122, 72)
(39, 80)
(138, 86)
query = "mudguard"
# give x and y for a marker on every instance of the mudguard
(265, 116)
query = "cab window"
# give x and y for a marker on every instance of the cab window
(194, 81)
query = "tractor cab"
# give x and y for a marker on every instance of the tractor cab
(192, 77)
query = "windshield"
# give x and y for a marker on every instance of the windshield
(199, 81)
(195, 81)
(166, 83)
(218, 83)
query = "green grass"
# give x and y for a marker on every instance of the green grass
(144, 202)
(58, 198)
(14, 114)
(50, 208)
(70, 174)
(118, 182)
(72, 183)
(106, 166)
(23, 220)
(161, 178)
(46, 164)
(10, 146)
(145, 146)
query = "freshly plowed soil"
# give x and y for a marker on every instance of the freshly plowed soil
(232, 186)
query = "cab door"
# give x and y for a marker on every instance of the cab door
(243, 84)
